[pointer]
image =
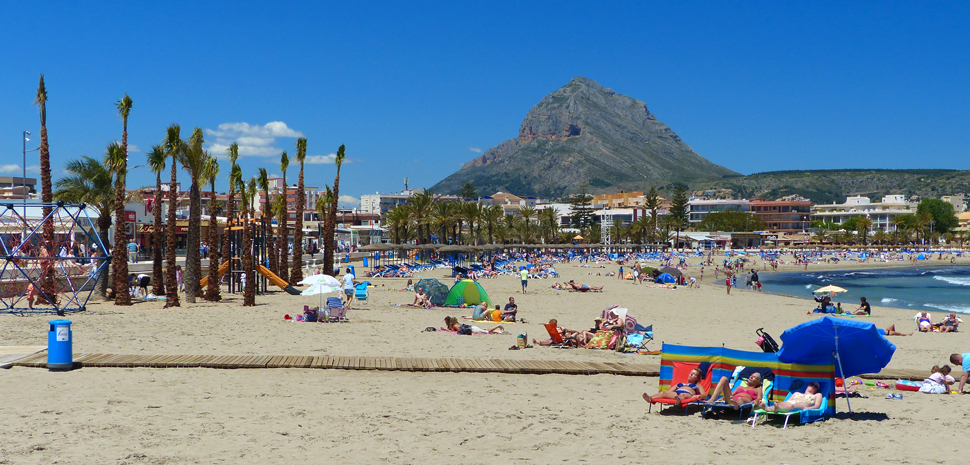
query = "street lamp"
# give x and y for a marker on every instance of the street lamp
(23, 180)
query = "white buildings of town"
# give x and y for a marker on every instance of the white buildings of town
(881, 213)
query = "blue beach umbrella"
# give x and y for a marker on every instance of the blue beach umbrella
(856, 347)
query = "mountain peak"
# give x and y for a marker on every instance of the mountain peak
(584, 133)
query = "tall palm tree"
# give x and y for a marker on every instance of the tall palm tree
(265, 209)
(284, 236)
(156, 162)
(90, 182)
(47, 285)
(173, 145)
(297, 274)
(323, 204)
(115, 161)
(397, 218)
(469, 212)
(549, 216)
(249, 292)
(210, 172)
(233, 152)
(331, 224)
(922, 224)
(119, 158)
(193, 160)
(276, 209)
(235, 178)
(443, 217)
(863, 224)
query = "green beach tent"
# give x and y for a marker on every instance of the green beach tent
(467, 292)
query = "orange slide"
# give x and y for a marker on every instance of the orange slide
(277, 281)
(222, 270)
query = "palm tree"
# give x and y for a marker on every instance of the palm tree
(156, 162)
(276, 209)
(922, 224)
(493, 214)
(118, 159)
(443, 218)
(397, 218)
(324, 201)
(262, 181)
(469, 212)
(549, 216)
(233, 152)
(235, 179)
(863, 224)
(173, 145)
(296, 275)
(820, 236)
(209, 173)
(331, 224)
(193, 160)
(284, 235)
(249, 292)
(115, 161)
(90, 182)
(47, 285)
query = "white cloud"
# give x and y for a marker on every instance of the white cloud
(254, 140)
(321, 159)
(348, 201)
(475, 149)
(132, 148)
(16, 169)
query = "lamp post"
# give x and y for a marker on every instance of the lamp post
(23, 180)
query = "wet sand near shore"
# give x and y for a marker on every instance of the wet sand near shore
(295, 415)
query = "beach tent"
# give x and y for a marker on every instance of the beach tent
(672, 271)
(467, 292)
(666, 278)
(434, 289)
(921, 257)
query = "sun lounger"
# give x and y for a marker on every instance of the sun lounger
(557, 339)
(738, 379)
(681, 370)
(804, 416)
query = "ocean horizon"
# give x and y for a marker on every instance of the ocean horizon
(920, 288)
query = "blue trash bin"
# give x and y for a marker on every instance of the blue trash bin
(352, 270)
(60, 354)
(347, 258)
(365, 262)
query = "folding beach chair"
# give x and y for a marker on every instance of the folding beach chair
(639, 337)
(557, 339)
(681, 370)
(738, 379)
(336, 312)
(804, 416)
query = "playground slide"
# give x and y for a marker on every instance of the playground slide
(222, 270)
(277, 281)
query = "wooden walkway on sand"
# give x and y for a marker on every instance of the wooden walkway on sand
(454, 365)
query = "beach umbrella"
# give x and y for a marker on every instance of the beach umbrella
(830, 289)
(672, 271)
(856, 347)
(467, 291)
(320, 284)
(434, 289)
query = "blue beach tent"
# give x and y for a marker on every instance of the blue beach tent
(666, 278)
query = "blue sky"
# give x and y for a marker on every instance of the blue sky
(417, 89)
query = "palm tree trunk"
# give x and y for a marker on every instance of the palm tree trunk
(158, 279)
(119, 256)
(193, 259)
(212, 292)
(331, 225)
(47, 284)
(296, 275)
(284, 238)
(104, 224)
(249, 292)
(171, 282)
(226, 252)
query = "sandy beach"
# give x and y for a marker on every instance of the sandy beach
(120, 415)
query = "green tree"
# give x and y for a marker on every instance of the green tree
(248, 193)
(47, 284)
(119, 165)
(678, 210)
(235, 175)
(262, 181)
(210, 171)
(156, 162)
(731, 220)
(296, 274)
(90, 182)
(581, 204)
(467, 191)
(193, 160)
(331, 224)
(863, 224)
(944, 216)
(173, 145)
(652, 202)
(283, 249)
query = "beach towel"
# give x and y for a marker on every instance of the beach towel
(602, 340)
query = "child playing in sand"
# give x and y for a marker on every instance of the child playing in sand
(939, 381)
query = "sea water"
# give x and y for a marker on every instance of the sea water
(921, 288)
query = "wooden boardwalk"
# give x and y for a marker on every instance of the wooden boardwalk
(455, 365)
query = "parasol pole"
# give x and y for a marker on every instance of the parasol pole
(838, 360)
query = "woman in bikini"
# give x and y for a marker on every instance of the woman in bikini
(741, 395)
(810, 399)
(680, 391)
(924, 322)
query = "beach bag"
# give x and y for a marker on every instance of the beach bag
(465, 329)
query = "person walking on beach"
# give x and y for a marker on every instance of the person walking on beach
(727, 280)
(132, 251)
(524, 274)
(349, 287)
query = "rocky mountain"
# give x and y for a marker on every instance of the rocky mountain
(584, 133)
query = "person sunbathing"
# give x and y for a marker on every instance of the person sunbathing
(583, 288)
(452, 324)
(564, 333)
(950, 324)
(680, 391)
(557, 286)
(591, 332)
(891, 331)
(810, 399)
(421, 299)
(741, 395)
(924, 322)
